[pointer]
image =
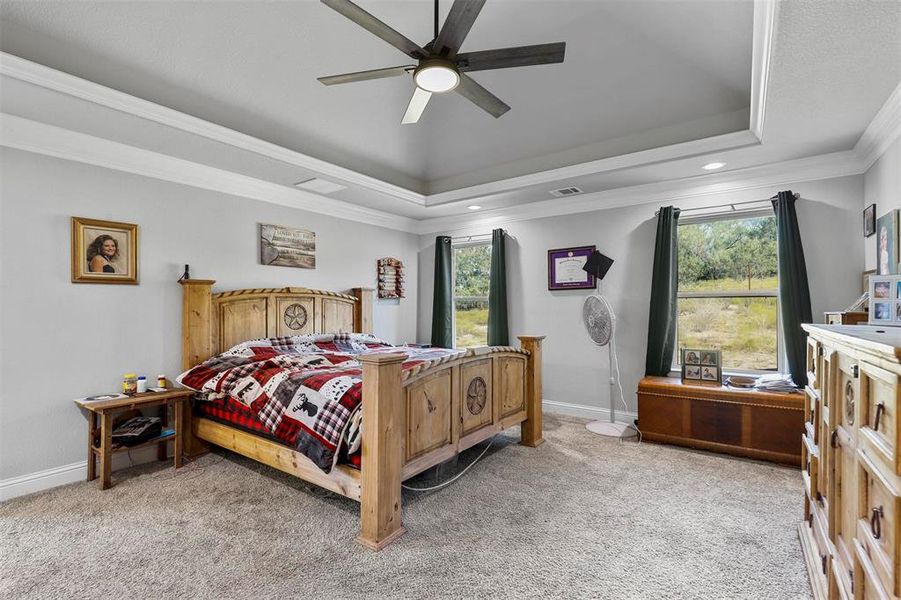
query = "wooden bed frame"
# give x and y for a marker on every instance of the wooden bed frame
(413, 419)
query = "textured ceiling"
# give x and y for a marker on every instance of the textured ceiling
(634, 73)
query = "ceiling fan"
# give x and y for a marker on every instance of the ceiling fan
(440, 67)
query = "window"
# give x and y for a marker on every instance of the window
(472, 263)
(728, 291)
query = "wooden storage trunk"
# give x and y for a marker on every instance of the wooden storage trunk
(762, 425)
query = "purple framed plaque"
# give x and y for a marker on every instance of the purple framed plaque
(564, 269)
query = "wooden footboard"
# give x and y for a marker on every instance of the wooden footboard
(412, 419)
(424, 417)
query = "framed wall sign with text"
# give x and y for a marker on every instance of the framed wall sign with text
(564, 269)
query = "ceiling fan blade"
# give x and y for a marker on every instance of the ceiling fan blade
(457, 25)
(481, 97)
(365, 75)
(520, 56)
(417, 105)
(376, 27)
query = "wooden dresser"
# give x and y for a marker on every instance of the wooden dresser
(762, 425)
(852, 504)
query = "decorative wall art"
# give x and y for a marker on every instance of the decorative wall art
(887, 243)
(287, 247)
(869, 220)
(391, 278)
(104, 251)
(564, 269)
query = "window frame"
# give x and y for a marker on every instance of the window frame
(468, 243)
(735, 215)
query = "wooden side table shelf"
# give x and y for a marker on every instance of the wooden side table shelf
(103, 412)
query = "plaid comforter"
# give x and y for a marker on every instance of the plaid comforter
(305, 390)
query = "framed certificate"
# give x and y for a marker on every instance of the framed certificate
(564, 269)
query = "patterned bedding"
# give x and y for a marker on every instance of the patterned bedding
(305, 391)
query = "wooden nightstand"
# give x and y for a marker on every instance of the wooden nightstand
(105, 409)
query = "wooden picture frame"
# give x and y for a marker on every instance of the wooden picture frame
(104, 251)
(564, 269)
(869, 220)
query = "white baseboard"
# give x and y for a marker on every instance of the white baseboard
(42, 480)
(71, 473)
(586, 412)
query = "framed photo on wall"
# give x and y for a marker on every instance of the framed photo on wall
(287, 247)
(869, 220)
(104, 251)
(887, 243)
(564, 269)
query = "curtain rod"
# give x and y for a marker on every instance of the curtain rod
(731, 205)
(472, 238)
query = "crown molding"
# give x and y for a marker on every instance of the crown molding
(764, 32)
(49, 140)
(882, 131)
(51, 79)
(825, 166)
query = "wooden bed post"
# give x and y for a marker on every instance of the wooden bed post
(383, 439)
(531, 427)
(363, 309)
(196, 344)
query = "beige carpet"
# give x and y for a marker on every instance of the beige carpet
(580, 516)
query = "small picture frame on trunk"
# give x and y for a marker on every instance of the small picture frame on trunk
(701, 366)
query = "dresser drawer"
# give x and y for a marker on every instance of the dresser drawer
(842, 576)
(813, 364)
(812, 412)
(870, 586)
(811, 466)
(879, 412)
(877, 528)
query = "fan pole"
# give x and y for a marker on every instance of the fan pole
(436, 19)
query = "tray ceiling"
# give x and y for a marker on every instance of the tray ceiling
(634, 73)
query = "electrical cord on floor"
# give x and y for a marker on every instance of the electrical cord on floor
(619, 385)
(455, 477)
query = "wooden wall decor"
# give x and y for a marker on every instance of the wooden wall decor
(391, 278)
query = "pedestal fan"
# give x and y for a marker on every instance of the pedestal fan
(600, 323)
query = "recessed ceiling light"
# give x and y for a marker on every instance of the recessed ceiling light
(473, 207)
(713, 166)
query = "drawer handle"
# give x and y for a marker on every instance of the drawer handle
(876, 523)
(833, 439)
(823, 557)
(880, 408)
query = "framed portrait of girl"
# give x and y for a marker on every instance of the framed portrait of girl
(104, 251)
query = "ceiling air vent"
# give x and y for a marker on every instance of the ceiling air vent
(567, 191)
(320, 186)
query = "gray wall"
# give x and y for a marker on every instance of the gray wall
(575, 370)
(882, 186)
(60, 340)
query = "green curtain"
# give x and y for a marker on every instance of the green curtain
(443, 300)
(664, 286)
(498, 335)
(794, 291)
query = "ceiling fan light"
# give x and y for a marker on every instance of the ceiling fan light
(436, 77)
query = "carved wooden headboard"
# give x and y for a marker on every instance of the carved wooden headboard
(213, 323)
